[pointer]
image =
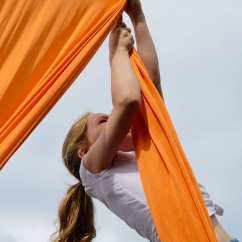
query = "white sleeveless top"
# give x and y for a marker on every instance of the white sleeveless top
(119, 187)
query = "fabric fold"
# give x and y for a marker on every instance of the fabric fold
(53, 43)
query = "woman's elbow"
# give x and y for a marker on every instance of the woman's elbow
(132, 104)
(135, 105)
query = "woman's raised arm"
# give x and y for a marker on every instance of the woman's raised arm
(126, 98)
(145, 46)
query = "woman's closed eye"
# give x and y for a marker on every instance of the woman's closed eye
(103, 120)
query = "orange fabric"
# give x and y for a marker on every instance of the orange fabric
(44, 46)
(174, 197)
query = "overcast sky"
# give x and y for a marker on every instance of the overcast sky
(200, 58)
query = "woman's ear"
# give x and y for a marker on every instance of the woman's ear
(82, 151)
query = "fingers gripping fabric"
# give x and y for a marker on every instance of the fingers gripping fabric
(44, 46)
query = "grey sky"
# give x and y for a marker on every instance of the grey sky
(199, 49)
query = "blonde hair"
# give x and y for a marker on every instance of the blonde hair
(76, 210)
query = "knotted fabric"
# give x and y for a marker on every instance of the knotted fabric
(44, 46)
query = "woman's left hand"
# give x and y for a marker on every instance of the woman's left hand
(134, 8)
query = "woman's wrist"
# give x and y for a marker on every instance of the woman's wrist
(138, 17)
(120, 53)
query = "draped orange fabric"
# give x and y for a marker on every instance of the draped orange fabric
(44, 46)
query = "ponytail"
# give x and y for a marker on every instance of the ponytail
(76, 217)
(76, 210)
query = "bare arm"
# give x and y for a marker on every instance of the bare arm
(126, 98)
(221, 234)
(145, 46)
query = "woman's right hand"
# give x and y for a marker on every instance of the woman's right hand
(120, 40)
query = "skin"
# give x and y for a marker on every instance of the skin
(96, 123)
(147, 52)
(126, 99)
(221, 234)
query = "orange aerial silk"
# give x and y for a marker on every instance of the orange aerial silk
(44, 46)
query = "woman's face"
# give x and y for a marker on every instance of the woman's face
(95, 125)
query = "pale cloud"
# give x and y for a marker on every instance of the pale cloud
(7, 238)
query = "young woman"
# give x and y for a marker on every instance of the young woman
(99, 151)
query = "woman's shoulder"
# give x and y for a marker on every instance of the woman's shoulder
(89, 178)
